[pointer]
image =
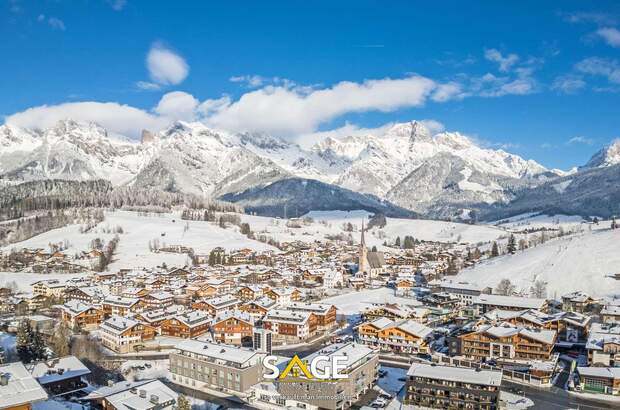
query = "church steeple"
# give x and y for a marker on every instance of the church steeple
(363, 242)
(363, 254)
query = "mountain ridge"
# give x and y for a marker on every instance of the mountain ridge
(442, 175)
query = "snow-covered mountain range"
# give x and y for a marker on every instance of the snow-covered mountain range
(440, 174)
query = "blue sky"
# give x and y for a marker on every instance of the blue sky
(540, 79)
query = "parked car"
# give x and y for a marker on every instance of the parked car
(379, 403)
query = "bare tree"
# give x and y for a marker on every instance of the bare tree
(539, 289)
(505, 288)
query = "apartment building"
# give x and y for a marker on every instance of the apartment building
(396, 336)
(187, 325)
(81, 315)
(603, 345)
(570, 326)
(610, 314)
(49, 288)
(290, 326)
(18, 388)
(576, 302)
(157, 300)
(217, 305)
(443, 387)
(485, 303)
(233, 327)
(86, 294)
(212, 366)
(361, 367)
(600, 379)
(284, 296)
(124, 335)
(259, 307)
(465, 292)
(508, 342)
(325, 313)
(140, 395)
(122, 306)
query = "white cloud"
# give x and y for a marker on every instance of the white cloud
(288, 111)
(568, 84)
(490, 85)
(165, 66)
(118, 118)
(284, 110)
(434, 126)
(252, 81)
(610, 35)
(600, 67)
(117, 5)
(178, 105)
(211, 106)
(147, 85)
(589, 17)
(447, 92)
(580, 140)
(53, 22)
(505, 62)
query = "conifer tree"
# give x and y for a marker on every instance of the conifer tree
(494, 250)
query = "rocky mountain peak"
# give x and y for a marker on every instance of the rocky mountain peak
(610, 155)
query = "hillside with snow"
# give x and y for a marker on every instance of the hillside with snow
(133, 248)
(578, 262)
(328, 223)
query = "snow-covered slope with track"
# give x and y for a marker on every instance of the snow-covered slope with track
(583, 262)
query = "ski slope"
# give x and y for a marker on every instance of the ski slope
(578, 262)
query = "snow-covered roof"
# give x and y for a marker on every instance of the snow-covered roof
(236, 314)
(601, 334)
(511, 301)
(216, 351)
(21, 388)
(287, 316)
(120, 301)
(118, 324)
(456, 374)
(152, 395)
(611, 310)
(59, 369)
(320, 308)
(415, 328)
(606, 372)
(507, 330)
(354, 352)
(160, 295)
(193, 318)
(456, 285)
(75, 307)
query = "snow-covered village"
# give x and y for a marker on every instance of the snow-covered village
(321, 205)
(174, 305)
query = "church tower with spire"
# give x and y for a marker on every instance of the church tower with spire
(363, 254)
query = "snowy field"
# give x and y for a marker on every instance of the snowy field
(579, 262)
(535, 220)
(133, 250)
(25, 280)
(355, 302)
(331, 222)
